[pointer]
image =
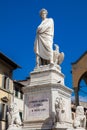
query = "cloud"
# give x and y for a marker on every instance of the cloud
(73, 98)
(81, 98)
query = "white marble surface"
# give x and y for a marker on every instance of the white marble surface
(44, 37)
(13, 116)
(43, 97)
(80, 118)
(76, 129)
(11, 127)
(46, 74)
(46, 84)
(37, 106)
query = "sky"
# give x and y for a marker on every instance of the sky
(19, 20)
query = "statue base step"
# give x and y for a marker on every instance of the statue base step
(46, 74)
(11, 127)
(76, 128)
(60, 126)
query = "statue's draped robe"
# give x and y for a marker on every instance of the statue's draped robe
(44, 39)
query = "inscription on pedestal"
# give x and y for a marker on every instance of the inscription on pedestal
(37, 107)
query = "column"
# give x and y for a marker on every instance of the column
(76, 90)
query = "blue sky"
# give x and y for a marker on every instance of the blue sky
(19, 20)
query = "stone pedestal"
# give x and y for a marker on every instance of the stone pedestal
(14, 128)
(46, 84)
(59, 126)
(46, 74)
(76, 129)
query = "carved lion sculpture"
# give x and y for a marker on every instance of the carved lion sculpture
(13, 116)
(80, 118)
(59, 109)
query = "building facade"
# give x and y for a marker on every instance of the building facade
(19, 97)
(7, 67)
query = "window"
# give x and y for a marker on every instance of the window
(20, 113)
(5, 82)
(3, 111)
(16, 93)
(21, 95)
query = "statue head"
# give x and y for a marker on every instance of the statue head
(43, 13)
(80, 118)
(13, 107)
(79, 110)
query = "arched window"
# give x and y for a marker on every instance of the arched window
(82, 84)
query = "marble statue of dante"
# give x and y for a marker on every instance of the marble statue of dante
(44, 38)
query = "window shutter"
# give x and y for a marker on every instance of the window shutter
(20, 114)
(6, 117)
(3, 79)
(6, 112)
(0, 111)
(7, 83)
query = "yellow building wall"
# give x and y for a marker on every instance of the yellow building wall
(11, 86)
(7, 70)
(5, 93)
(3, 124)
(10, 83)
